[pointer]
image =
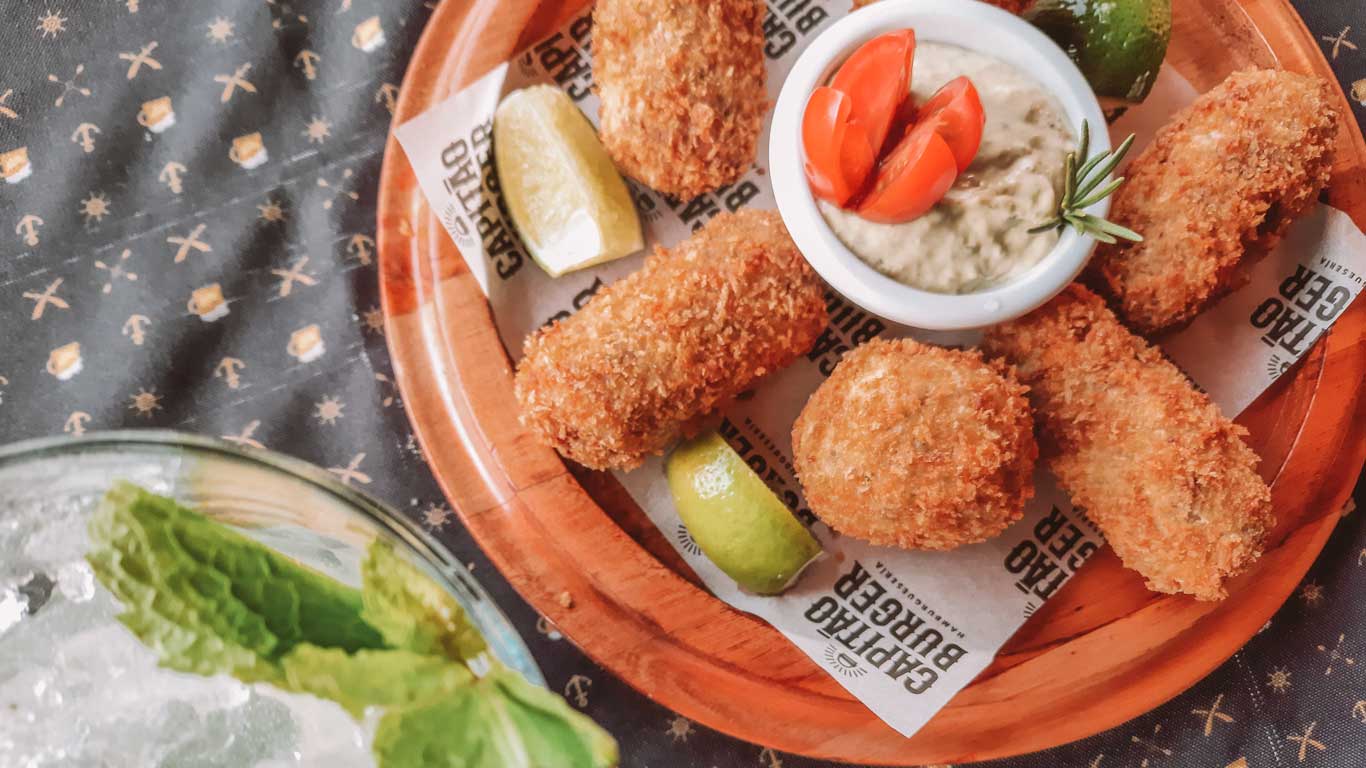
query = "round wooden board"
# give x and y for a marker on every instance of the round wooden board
(1100, 652)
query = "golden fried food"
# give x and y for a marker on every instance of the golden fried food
(1216, 189)
(916, 446)
(1156, 466)
(682, 89)
(1014, 6)
(697, 325)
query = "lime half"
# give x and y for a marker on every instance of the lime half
(737, 521)
(566, 198)
(1118, 44)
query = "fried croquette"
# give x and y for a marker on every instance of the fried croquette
(694, 327)
(681, 84)
(1163, 474)
(1216, 189)
(916, 446)
(1016, 7)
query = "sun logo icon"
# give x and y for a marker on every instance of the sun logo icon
(1275, 366)
(686, 542)
(842, 663)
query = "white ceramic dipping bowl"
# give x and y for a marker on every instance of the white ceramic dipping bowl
(973, 25)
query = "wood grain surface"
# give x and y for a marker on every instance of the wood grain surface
(1100, 652)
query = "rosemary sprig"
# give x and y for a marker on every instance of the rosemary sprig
(1082, 187)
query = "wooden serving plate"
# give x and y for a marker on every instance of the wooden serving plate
(1102, 651)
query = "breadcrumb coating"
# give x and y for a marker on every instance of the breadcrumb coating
(682, 89)
(693, 328)
(1217, 189)
(1165, 476)
(1016, 7)
(916, 446)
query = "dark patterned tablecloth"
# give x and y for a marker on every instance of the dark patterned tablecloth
(187, 241)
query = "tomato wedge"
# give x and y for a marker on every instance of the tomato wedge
(877, 77)
(911, 179)
(955, 112)
(838, 155)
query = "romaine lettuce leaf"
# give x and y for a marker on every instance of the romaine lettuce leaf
(367, 678)
(501, 721)
(209, 600)
(411, 610)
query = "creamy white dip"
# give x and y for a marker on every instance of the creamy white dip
(977, 236)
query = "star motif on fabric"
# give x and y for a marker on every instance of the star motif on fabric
(318, 130)
(338, 190)
(1339, 41)
(328, 410)
(238, 79)
(52, 24)
(116, 271)
(96, 207)
(48, 296)
(1278, 680)
(186, 243)
(1212, 714)
(145, 403)
(295, 274)
(220, 29)
(1150, 746)
(143, 58)
(436, 516)
(372, 320)
(1307, 740)
(1337, 654)
(247, 436)
(680, 728)
(69, 86)
(271, 211)
(351, 472)
(1312, 594)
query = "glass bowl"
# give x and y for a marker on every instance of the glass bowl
(77, 688)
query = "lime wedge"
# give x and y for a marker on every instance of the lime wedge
(737, 521)
(567, 200)
(1118, 44)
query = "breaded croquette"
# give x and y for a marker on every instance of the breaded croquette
(1165, 475)
(1217, 188)
(693, 328)
(916, 446)
(682, 89)
(1016, 7)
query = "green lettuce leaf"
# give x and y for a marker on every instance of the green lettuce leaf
(371, 678)
(501, 721)
(209, 599)
(411, 610)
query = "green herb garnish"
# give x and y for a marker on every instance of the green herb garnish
(1082, 189)
(211, 601)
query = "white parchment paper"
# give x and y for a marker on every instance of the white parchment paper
(902, 631)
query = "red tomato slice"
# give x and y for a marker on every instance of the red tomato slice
(838, 155)
(902, 122)
(911, 179)
(877, 77)
(956, 113)
(856, 159)
(823, 127)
